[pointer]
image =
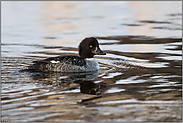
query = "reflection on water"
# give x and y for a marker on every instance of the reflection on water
(154, 16)
(140, 78)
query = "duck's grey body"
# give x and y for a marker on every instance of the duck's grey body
(66, 64)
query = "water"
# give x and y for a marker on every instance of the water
(140, 78)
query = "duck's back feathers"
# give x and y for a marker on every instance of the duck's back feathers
(59, 64)
(74, 60)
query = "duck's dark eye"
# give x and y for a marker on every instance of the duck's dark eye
(91, 46)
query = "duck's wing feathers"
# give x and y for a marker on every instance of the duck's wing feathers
(53, 63)
(74, 60)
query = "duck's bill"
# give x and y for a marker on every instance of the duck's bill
(98, 51)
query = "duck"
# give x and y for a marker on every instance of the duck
(85, 62)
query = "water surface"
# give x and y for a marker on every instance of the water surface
(140, 78)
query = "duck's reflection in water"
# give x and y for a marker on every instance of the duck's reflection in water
(89, 87)
(59, 77)
(69, 81)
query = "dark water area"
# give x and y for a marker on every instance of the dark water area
(140, 78)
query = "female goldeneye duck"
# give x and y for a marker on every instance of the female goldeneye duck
(85, 63)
